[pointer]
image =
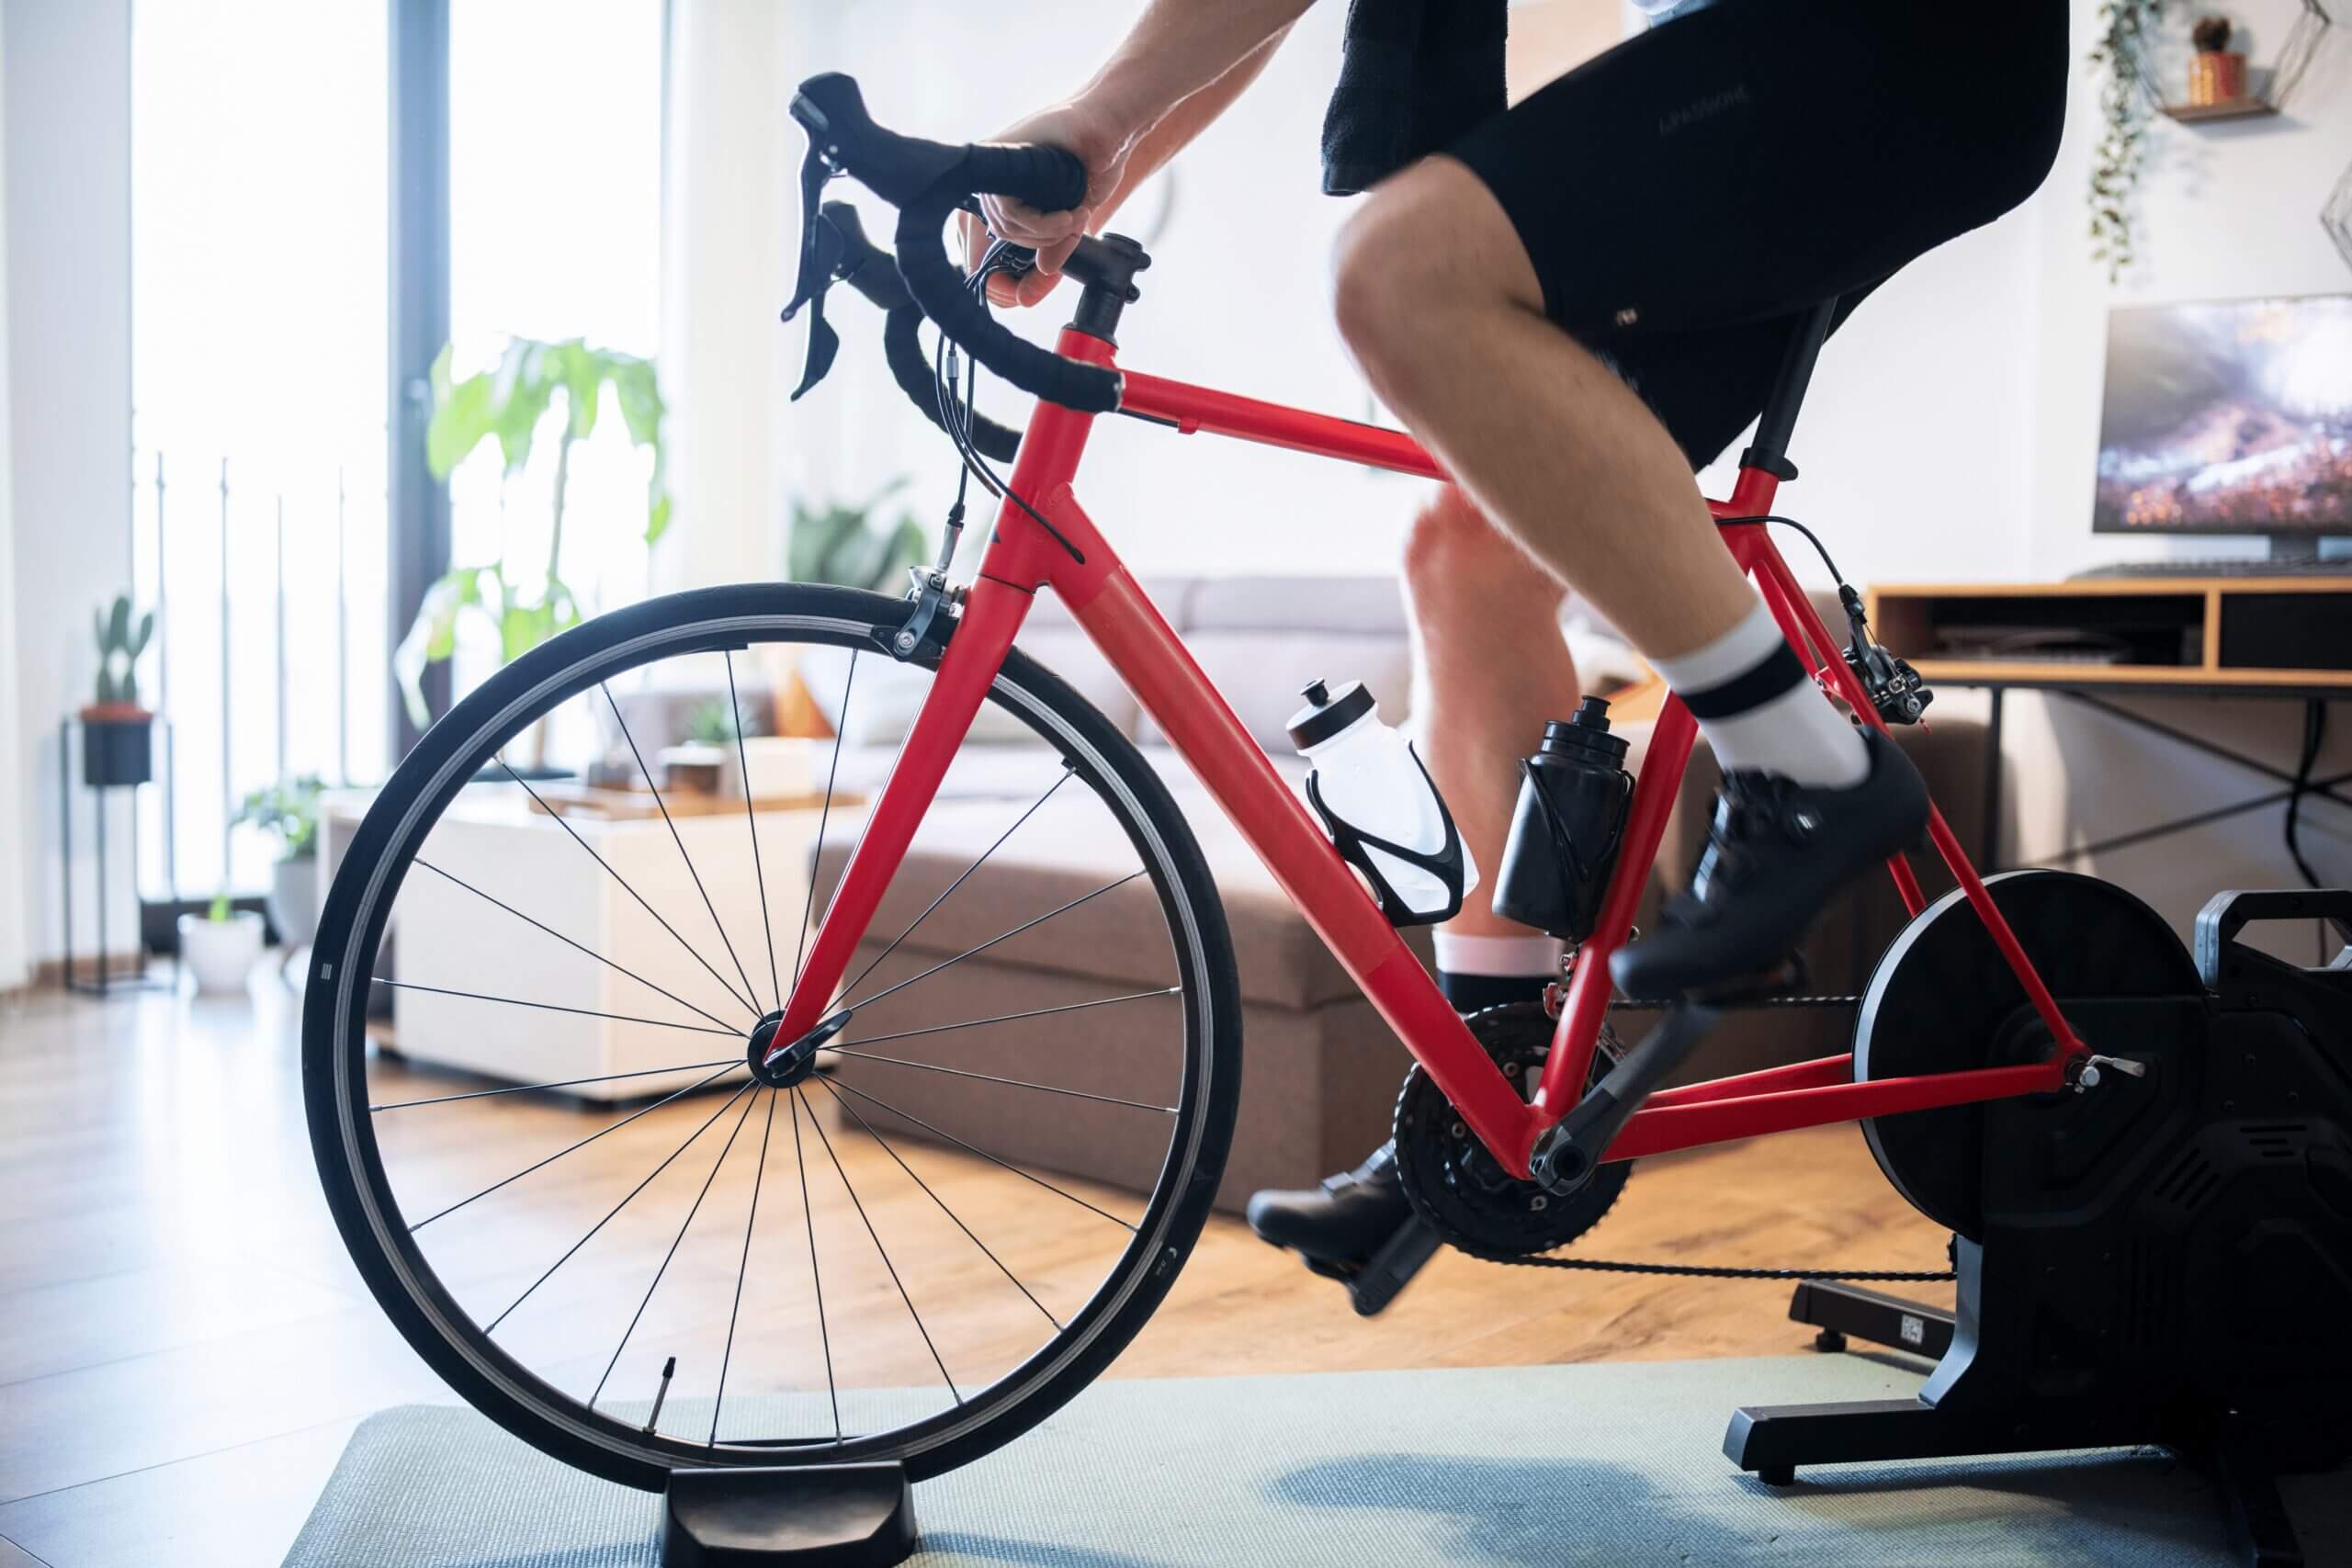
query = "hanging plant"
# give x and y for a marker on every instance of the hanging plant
(2118, 61)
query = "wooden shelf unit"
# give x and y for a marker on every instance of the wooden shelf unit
(2187, 633)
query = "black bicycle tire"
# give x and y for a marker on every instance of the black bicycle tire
(430, 777)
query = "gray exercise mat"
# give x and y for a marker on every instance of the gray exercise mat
(1526, 1467)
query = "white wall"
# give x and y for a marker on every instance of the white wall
(2226, 210)
(67, 90)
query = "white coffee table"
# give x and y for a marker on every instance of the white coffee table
(598, 986)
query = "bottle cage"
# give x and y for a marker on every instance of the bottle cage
(1580, 866)
(1445, 864)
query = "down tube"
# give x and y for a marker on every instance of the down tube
(992, 619)
(1180, 700)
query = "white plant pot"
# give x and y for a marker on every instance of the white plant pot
(220, 953)
(294, 900)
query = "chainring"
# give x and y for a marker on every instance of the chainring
(1459, 1188)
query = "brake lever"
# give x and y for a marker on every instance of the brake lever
(821, 248)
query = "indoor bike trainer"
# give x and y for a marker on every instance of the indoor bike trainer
(2144, 1156)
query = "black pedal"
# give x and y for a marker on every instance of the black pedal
(1390, 1270)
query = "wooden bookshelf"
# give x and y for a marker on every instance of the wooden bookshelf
(2269, 634)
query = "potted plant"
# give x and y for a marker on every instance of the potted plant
(2126, 35)
(118, 734)
(288, 811)
(220, 945)
(845, 545)
(2216, 71)
(525, 604)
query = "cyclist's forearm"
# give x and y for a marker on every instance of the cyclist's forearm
(1179, 48)
(1177, 128)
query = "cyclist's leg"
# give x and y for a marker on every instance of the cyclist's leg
(1589, 207)
(1489, 665)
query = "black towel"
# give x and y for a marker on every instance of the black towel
(1416, 75)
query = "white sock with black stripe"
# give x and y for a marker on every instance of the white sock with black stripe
(1758, 710)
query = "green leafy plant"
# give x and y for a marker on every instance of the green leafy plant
(713, 724)
(2119, 59)
(840, 544)
(509, 404)
(287, 810)
(119, 645)
(220, 911)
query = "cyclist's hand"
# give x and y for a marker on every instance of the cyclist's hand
(1102, 145)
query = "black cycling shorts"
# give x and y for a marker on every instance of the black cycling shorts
(1691, 194)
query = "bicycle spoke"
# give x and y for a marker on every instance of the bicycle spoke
(573, 833)
(1007, 1018)
(851, 989)
(560, 1083)
(491, 1326)
(581, 1145)
(824, 814)
(554, 1007)
(816, 1276)
(1010, 1083)
(884, 1254)
(759, 872)
(568, 943)
(1002, 936)
(909, 1116)
(717, 924)
(758, 1177)
(935, 1197)
(675, 1242)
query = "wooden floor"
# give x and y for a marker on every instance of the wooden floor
(185, 1348)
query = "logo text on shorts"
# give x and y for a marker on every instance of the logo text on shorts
(1691, 113)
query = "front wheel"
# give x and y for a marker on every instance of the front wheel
(533, 1006)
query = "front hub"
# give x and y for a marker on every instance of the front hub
(783, 1065)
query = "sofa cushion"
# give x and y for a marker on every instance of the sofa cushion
(1260, 640)
(1068, 849)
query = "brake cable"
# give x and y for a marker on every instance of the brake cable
(959, 429)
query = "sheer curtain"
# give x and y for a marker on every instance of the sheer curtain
(14, 826)
(16, 909)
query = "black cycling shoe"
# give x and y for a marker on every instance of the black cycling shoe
(1358, 1227)
(1777, 852)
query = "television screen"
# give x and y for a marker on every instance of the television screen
(2229, 417)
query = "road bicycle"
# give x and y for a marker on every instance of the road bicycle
(1973, 1006)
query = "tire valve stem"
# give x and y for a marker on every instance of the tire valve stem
(669, 1369)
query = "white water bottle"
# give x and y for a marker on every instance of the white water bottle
(1380, 807)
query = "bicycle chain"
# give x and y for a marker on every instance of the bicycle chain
(1701, 1271)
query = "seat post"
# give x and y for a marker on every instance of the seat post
(1769, 451)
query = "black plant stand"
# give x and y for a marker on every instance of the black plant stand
(105, 983)
(841, 1516)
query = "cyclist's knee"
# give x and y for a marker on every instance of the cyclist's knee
(1452, 552)
(1372, 285)
(1427, 239)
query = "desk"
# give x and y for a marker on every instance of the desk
(2285, 638)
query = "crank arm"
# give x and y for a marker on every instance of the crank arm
(1566, 1157)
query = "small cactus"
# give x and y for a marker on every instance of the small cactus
(119, 646)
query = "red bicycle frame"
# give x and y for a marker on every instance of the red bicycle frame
(1023, 557)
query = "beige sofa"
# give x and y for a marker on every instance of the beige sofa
(1320, 1070)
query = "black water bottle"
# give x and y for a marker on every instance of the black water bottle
(1565, 835)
